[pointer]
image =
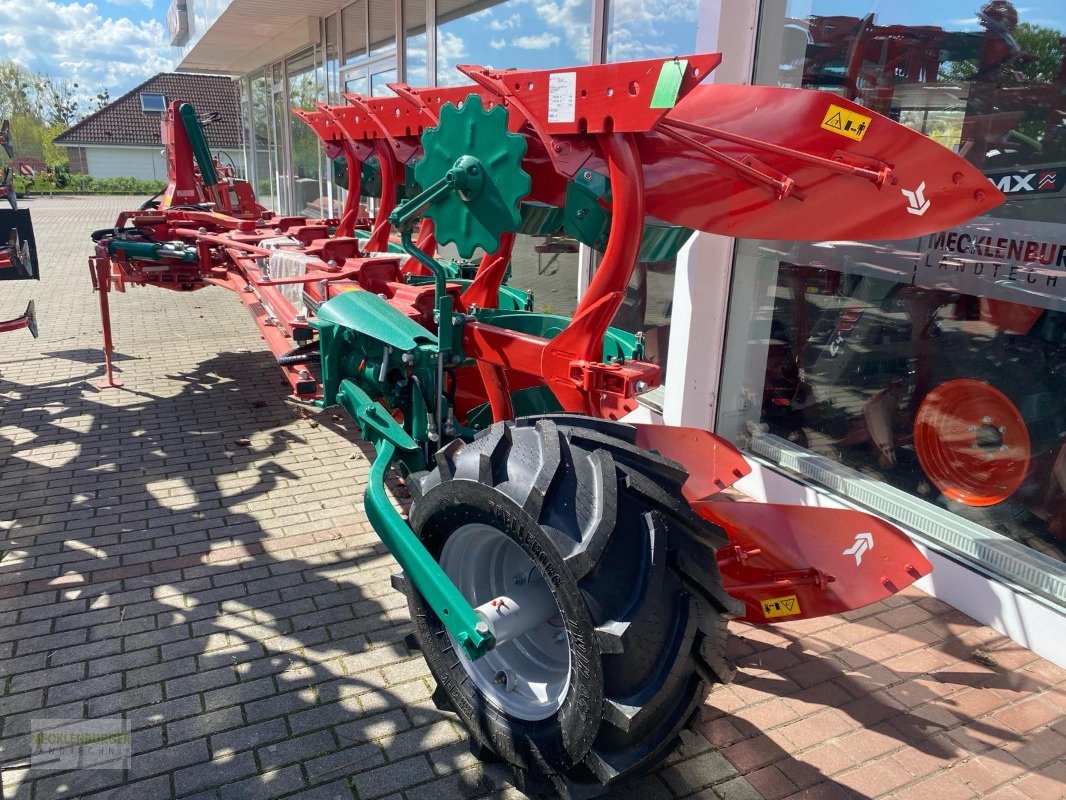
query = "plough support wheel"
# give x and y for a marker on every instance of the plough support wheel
(601, 587)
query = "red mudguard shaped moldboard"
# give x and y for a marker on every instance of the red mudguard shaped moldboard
(712, 463)
(928, 187)
(796, 562)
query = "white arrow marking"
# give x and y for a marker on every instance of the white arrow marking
(863, 542)
(916, 202)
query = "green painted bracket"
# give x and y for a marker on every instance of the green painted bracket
(198, 142)
(153, 251)
(588, 219)
(363, 315)
(371, 315)
(425, 574)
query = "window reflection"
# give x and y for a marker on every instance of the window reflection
(514, 33)
(936, 365)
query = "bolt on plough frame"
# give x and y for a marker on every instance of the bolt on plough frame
(569, 575)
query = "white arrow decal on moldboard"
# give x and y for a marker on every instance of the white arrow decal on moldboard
(916, 202)
(863, 542)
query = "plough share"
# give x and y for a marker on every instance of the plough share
(569, 574)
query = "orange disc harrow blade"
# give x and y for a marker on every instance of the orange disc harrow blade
(972, 442)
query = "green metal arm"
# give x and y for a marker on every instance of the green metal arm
(390, 440)
(198, 142)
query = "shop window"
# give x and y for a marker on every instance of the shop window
(353, 27)
(638, 29)
(332, 60)
(306, 86)
(357, 83)
(514, 33)
(379, 82)
(264, 144)
(414, 20)
(932, 371)
(382, 26)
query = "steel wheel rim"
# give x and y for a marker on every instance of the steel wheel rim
(972, 442)
(483, 562)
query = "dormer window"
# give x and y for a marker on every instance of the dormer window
(153, 103)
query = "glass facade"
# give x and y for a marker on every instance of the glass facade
(665, 29)
(353, 20)
(932, 370)
(306, 83)
(415, 54)
(511, 34)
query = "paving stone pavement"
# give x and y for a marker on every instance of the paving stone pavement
(190, 553)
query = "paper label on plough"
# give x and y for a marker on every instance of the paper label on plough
(562, 96)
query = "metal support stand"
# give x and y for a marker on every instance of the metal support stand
(102, 266)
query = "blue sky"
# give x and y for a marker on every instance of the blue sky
(113, 44)
(119, 43)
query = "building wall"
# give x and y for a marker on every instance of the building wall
(130, 162)
(126, 162)
(78, 162)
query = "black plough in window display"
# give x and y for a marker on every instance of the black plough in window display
(934, 366)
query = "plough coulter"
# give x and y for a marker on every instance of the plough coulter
(17, 254)
(569, 575)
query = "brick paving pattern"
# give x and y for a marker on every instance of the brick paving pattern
(190, 553)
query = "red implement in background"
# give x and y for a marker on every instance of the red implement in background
(972, 442)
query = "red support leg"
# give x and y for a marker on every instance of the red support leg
(379, 238)
(102, 265)
(582, 339)
(484, 290)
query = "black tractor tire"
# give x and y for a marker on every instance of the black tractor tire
(632, 570)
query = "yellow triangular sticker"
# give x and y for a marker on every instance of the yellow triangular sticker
(845, 122)
(781, 607)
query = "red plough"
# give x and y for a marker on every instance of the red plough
(568, 575)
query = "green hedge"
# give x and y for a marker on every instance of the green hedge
(86, 184)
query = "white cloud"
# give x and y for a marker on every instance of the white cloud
(498, 44)
(640, 28)
(571, 17)
(512, 21)
(77, 42)
(539, 42)
(450, 49)
(627, 47)
(145, 3)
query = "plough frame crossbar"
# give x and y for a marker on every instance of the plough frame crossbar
(434, 358)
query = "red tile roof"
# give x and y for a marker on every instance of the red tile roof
(123, 121)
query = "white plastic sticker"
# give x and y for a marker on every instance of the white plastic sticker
(562, 96)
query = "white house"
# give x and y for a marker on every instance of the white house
(123, 138)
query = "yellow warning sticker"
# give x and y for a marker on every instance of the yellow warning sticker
(846, 122)
(781, 607)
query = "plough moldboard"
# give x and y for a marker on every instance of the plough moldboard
(569, 575)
